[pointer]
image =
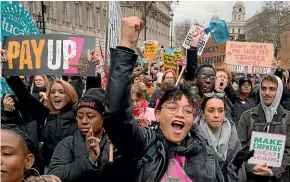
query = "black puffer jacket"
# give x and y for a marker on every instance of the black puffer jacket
(133, 141)
(70, 161)
(55, 127)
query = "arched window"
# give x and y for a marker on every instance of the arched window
(235, 17)
(240, 10)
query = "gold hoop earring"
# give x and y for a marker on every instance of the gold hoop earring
(30, 172)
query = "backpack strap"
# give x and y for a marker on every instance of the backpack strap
(148, 156)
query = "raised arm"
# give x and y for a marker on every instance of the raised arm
(123, 130)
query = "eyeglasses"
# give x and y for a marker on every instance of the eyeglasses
(173, 107)
(212, 94)
(205, 77)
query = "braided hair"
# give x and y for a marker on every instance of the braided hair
(29, 147)
(43, 178)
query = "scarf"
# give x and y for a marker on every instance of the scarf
(136, 112)
(219, 140)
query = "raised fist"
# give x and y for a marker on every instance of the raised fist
(130, 30)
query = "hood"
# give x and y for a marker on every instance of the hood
(270, 111)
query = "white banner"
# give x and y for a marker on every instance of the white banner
(113, 35)
(196, 27)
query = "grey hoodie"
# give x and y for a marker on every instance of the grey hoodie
(271, 110)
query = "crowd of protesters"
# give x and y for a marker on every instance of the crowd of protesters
(144, 126)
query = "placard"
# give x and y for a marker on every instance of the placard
(285, 50)
(15, 20)
(269, 148)
(198, 28)
(213, 53)
(48, 54)
(5, 89)
(150, 49)
(113, 34)
(237, 68)
(262, 70)
(170, 63)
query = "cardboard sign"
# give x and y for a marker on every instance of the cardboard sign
(196, 27)
(249, 54)
(5, 89)
(178, 55)
(150, 49)
(15, 20)
(213, 53)
(170, 63)
(285, 50)
(48, 55)
(269, 148)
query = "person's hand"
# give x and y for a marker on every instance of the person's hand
(43, 96)
(93, 145)
(130, 30)
(261, 170)
(242, 156)
(93, 56)
(195, 39)
(8, 103)
(3, 54)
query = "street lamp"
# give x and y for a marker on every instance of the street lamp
(39, 22)
(172, 7)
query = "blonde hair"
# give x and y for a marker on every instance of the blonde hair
(71, 95)
(224, 69)
(138, 91)
(46, 83)
(43, 178)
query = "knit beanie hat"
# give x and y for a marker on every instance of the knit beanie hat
(243, 80)
(94, 99)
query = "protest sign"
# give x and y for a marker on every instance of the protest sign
(199, 29)
(15, 20)
(5, 89)
(237, 68)
(170, 63)
(285, 50)
(269, 148)
(262, 70)
(178, 55)
(113, 33)
(249, 54)
(213, 53)
(150, 49)
(48, 54)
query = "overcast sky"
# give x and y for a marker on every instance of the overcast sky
(203, 10)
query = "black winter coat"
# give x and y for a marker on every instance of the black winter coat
(55, 127)
(70, 162)
(133, 141)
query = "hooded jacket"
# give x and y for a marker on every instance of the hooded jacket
(257, 119)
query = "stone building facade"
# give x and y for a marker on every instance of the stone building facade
(157, 20)
(236, 26)
(89, 18)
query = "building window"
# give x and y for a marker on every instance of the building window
(239, 17)
(235, 17)
(233, 31)
(89, 13)
(31, 7)
(240, 10)
(77, 13)
(98, 20)
(49, 8)
(239, 30)
(64, 11)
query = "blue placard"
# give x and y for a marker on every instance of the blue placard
(5, 89)
(16, 20)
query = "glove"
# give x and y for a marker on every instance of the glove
(242, 156)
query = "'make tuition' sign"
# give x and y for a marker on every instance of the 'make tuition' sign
(269, 148)
(48, 55)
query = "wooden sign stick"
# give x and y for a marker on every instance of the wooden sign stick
(111, 154)
(180, 75)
